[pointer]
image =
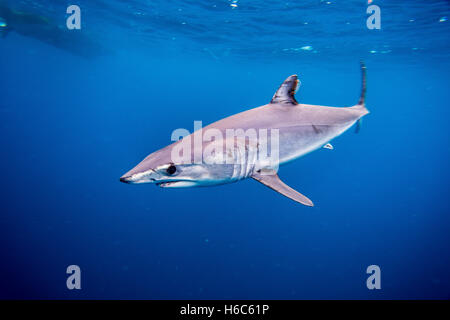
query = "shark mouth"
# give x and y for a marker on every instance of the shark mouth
(176, 184)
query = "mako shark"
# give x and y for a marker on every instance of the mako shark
(302, 128)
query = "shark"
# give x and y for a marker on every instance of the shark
(301, 129)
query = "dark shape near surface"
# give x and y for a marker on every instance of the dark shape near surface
(36, 26)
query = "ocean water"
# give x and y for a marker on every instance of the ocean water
(79, 108)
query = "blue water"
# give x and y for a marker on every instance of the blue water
(76, 115)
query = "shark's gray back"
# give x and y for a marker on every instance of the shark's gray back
(302, 128)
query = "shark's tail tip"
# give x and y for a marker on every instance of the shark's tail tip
(363, 65)
(362, 99)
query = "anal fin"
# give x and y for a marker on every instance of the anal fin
(328, 146)
(271, 180)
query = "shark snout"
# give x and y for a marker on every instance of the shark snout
(133, 177)
(125, 179)
(136, 179)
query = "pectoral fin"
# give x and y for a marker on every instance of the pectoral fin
(272, 180)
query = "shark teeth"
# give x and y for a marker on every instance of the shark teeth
(165, 184)
(176, 184)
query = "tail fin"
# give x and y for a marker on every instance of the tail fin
(362, 99)
(363, 88)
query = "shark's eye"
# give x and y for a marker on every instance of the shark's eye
(171, 169)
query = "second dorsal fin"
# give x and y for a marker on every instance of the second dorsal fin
(285, 93)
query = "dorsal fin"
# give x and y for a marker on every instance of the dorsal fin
(285, 93)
